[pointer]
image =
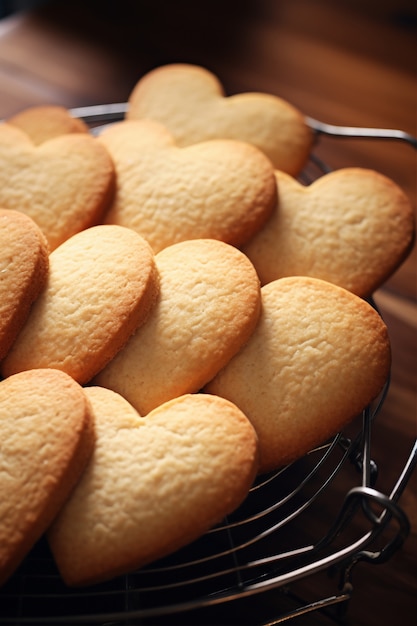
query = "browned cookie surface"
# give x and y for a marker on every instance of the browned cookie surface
(153, 484)
(190, 101)
(101, 286)
(65, 184)
(23, 272)
(353, 227)
(47, 436)
(318, 356)
(47, 121)
(219, 189)
(208, 307)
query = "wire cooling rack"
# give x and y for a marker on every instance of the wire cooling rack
(275, 540)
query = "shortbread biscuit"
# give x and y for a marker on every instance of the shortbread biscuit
(353, 227)
(102, 284)
(208, 307)
(153, 484)
(219, 189)
(47, 438)
(64, 185)
(191, 103)
(47, 121)
(23, 272)
(317, 358)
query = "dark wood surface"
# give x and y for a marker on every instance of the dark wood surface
(346, 62)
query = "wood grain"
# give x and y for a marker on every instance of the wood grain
(346, 62)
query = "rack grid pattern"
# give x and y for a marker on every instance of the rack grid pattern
(265, 544)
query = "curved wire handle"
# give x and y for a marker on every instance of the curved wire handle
(112, 112)
(97, 114)
(355, 132)
(364, 496)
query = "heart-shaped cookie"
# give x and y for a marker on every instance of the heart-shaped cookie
(208, 307)
(153, 484)
(101, 286)
(64, 185)
(190, 102)
(219, 189)
(23, 272)
(47, 121)
(47, 437)
(318, 356)
(352, 227)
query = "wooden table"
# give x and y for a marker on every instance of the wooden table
(351, 63)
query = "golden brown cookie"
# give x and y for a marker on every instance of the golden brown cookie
(190, 101)
(23, 272)
(352, 227)
(318, 356)
(47, 437)
(153, 484)
(220, 189)
(208, 307)
(102, 284)
(64, 185)
(47, 121)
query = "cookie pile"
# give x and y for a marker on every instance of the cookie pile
(177, 315)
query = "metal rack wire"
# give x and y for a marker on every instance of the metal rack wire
(262, 546)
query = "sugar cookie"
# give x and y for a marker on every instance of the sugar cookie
(220, 189)
(47, 437)
(47, 121)
(208, 307)
(318, 356)
(190, 101)
(102, 283)
(24, 267)
(153, 484)
(352, 227)
(64, 185)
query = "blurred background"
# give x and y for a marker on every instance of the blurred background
(346, 62)
(349, 62)
(7, 7)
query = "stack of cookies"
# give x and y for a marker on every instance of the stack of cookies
(178, 314)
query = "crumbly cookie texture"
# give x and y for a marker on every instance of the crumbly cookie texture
(353, 227)
(153, 484)
(101, 286)
(24, 267)
(219, 189)
(208, 307)
(47, 438)
(47, 121)
(196, 378)
(190, 101)
(65, 184)
(318, 357)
